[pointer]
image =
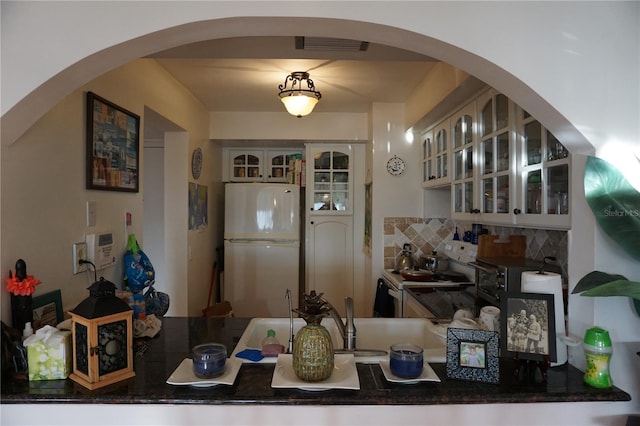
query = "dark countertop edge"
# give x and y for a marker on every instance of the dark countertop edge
(329, 399)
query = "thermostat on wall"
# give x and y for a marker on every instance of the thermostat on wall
(100, 250)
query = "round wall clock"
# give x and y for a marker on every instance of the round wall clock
(396, 166)
(196, 163)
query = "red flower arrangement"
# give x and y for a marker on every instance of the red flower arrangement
(25, 287)
(21, 284)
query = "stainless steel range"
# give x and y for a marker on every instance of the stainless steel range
(437, 299)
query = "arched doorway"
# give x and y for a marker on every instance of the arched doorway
(38, 102)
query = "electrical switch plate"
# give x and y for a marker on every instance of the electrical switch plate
(91, 214)
(79, 252)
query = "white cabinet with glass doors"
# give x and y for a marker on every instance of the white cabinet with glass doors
(543, 176)
(462, 152)
(329, 177)
(511, 171)
(258, 165)
(277, 164)
(245, 165)
(435, 156)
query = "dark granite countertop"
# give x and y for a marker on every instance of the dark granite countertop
(253, 382)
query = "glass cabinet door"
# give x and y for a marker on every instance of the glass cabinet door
(428, 169)
(278, 163)
(436, 151)
(278, 167)
(331, 181)
(441, 154)
(246, 166)
(496, 153)
(546, 178)
(463, 141)
(558, 189)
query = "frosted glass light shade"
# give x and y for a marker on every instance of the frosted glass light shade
(299, 104)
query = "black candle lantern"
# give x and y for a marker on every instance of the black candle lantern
(102, 338)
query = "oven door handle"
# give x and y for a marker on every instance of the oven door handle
(395, 294)
(484, 268)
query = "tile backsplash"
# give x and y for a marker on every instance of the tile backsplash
(426, 235)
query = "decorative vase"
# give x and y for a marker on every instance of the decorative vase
(313, 353)
(21, 311)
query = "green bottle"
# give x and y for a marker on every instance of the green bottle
(598, 350)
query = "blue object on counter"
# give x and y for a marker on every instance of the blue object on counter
(209, 360)
(254, 355)
(406, 360)
(456, 236)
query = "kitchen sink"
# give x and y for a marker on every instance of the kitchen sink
(372, 336)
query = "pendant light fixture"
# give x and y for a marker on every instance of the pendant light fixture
(299, 100)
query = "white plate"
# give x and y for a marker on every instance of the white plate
(428, 375)
(344, 375)
(184, 375)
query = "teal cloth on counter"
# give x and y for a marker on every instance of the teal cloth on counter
(250, 354)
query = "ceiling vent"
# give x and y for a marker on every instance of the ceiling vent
(331, 44)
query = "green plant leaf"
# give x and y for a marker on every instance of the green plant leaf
(615, 204)
(616, 288)
(595, 279)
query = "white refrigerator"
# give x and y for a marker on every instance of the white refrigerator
(261, 247)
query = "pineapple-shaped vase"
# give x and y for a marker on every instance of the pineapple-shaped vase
(313, 347)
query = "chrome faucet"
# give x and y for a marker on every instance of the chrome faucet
(287, 295)
(347, 329)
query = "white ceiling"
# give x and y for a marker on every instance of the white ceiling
(243, 74)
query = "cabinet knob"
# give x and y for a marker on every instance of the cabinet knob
(475, 211)
(312, 222)
(517, 211)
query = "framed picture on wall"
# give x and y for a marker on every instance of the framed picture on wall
(113, 146)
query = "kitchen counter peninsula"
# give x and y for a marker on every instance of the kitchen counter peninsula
(157, 358)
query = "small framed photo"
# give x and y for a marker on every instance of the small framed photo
(473, 355)
(47, 310)
(528, 326)
(113, 146)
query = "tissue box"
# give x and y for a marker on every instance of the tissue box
(49, 354)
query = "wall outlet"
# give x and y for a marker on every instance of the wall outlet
(79, 252)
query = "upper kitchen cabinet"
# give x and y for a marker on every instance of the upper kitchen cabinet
(506, 168)
(435, 156)
(496, 155)
(277, 164)
(543, 176)
(258, 165)
(329, 179)
(464, 131)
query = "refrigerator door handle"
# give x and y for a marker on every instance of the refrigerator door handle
(265, 241)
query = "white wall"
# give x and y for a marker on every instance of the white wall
(283, 126)
(43, 176)
(399, 196)
(573, 65)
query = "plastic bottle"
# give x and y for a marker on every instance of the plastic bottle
(270, 339)
(28, 331)
(270, 345)
(598, 350)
